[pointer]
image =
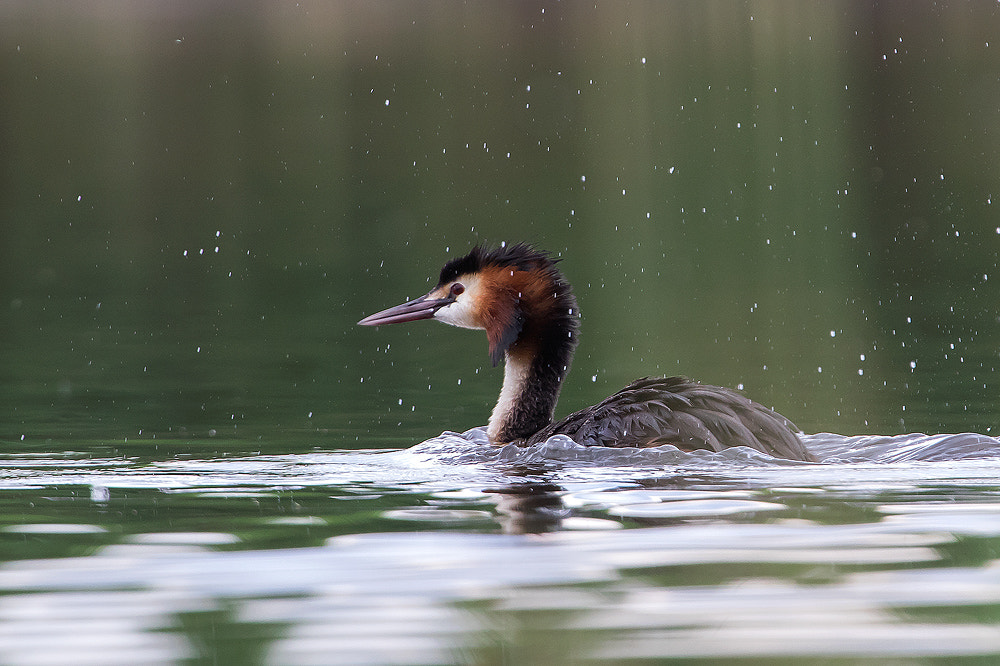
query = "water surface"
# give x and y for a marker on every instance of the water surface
(456, 551)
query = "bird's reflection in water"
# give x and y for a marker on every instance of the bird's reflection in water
(530, 508)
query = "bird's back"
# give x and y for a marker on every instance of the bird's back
(675, 410)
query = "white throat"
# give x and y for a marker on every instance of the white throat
(515, 377)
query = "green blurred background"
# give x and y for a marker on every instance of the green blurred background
(198, 200)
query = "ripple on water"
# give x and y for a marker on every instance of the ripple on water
(451, 462)
(54, 528)
(693, 508)
(437, 515)
(401, 586)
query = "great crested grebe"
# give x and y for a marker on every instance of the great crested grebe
(529, 313)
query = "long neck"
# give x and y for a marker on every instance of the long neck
(534, 369)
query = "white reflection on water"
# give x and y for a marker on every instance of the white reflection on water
(769, 618)
(438, 596)
(94, 627)
(454, 461)
(374, 598)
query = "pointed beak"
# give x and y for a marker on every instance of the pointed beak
(419, 308)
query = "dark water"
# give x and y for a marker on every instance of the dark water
(206, 461)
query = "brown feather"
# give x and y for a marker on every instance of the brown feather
(678, 411)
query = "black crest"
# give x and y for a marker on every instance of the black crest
(521, 256)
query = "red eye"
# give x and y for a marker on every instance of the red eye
(457, 288)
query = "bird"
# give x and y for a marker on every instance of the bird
(518, 296)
